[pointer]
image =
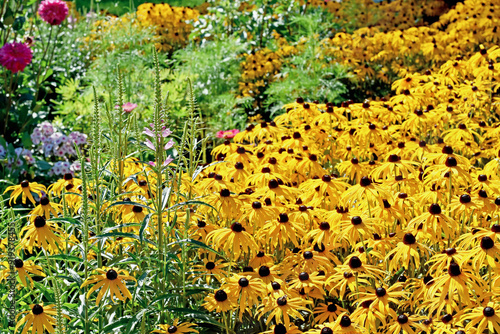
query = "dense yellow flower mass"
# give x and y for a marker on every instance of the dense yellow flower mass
(170, 23)
(375, 217)
(390, 40)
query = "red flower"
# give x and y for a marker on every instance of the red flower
(227, 133)
(15, 56)
(53, 11)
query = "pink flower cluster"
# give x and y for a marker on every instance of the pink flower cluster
(53, 11)
(227, 134)
(129, 107)
(17, 159)
(165, 132)
(52, 142)
(65, 167)
(15, 56)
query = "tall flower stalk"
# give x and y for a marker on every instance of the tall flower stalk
(156, 137)
(11, 247)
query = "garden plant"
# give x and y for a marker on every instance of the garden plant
(260, 166)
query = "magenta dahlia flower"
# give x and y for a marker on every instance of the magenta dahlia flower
(53, 11)
(15, 56)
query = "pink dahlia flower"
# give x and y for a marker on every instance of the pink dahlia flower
(15, 56)
(53, 11)
(227, 134)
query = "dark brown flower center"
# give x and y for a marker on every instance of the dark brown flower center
(37, 309)
(345, 321)
(332, 307)
(18, 263)
(273, 184)
(454, 269)
(276, 286)
(394, 158)
(25, 184)
(451, 162)
(210, 265)
(137, 209)
(264, 271)
(220, 295)
(434, 209)
(44, 200)
(487, 243)
(308, 255)
(283, 218)
(39, 221)
(428, 280)
(281, 301)
(365, 181)
(409, 239)
(446, 318)
(237, 227)
(356, 220)
(488, 311)
(355, 262)
(450, 251)
(303, 276)
(465, 198)
(380, 292)
(256, 205)
(280, 329)
(324, 226)
(111, 274)
(172, 329)
(243, 282)
(402, 319)
(447, 150)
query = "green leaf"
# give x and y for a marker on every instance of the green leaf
(130, 203)
(8, 18)
(191, 202)
(47, 74)
(46, 292)
(165, 297)
(18, 23)
(144, 226)
(197, 244)
(66, 257)
(27, 143)
(120, 234)
(72, 221)
(43, 165)
(117, 324)
(75, 276)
